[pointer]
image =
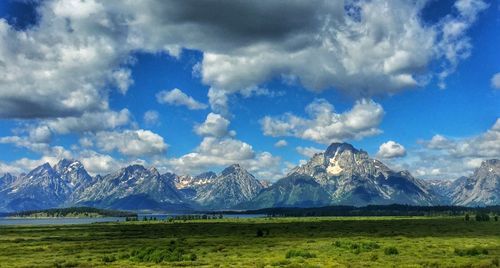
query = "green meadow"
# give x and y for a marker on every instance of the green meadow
(258, 242)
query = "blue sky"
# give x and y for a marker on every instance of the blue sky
(414, 87)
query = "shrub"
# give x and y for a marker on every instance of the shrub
(299, 253)
(482, 217)
(474, 251)
(391, 251)
(259, 233)
(496, 218)
(108, 259)
(174, 251)
(357, 248)
(467, 217)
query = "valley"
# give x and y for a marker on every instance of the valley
(257, 242)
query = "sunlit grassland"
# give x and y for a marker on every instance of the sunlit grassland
(285, 242)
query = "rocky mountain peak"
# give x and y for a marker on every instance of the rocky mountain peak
(338, 148)
(234, 168)
(133, 169)
(45, 168)
(154, 171)
(491, 165)
(67, 163)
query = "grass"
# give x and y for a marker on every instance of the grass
(281, 242)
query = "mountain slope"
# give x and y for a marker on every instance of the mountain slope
(39, 189)
(295, 190)
(133, 187)
(233, 186)
(480, 189)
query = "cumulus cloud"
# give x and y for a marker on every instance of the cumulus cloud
(324, 125)
(89, 122)
(451, 157)
(63, 66)
(151, 117)
(308, 151)
(213, 152)
(122, 79)
(495, 81)
(96, 163)
(221, 152)
(215, 125)
(178, 98)
(391, 149)
(454, 44)
(280, 144)
(131, 142)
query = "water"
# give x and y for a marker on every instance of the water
(64, 221)
(57, 221)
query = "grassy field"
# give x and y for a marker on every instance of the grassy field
(277, 242)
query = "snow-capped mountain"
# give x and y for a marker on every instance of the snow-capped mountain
(341, 175)
(75, 176)
(41, 188)
(133, 187)
(350, 177)
(233, 186)
(186, 181)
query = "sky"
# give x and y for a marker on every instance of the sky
(192, 86)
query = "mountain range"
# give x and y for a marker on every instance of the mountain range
(342, 175)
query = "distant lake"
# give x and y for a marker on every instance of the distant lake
(64, 221)
(56, 221)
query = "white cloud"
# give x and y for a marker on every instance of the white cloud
(63, 66)
(131, 142)
(324, 125)
(447, 157)
(40, 134)
(215, 152)
(308, 151)
(212, 152)
(96, 163)
(151, 117)
(26, 142)
(495, 81)
(454, 45)
(89, 122)
(178, 98)
(391, 149)
(215, 125)
(281, 143)
(123, 79)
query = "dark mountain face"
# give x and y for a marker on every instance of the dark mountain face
(295, 190)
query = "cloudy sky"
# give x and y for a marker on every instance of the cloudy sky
(190, 86)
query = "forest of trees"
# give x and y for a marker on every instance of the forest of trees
(373, 210)
(73, 212)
